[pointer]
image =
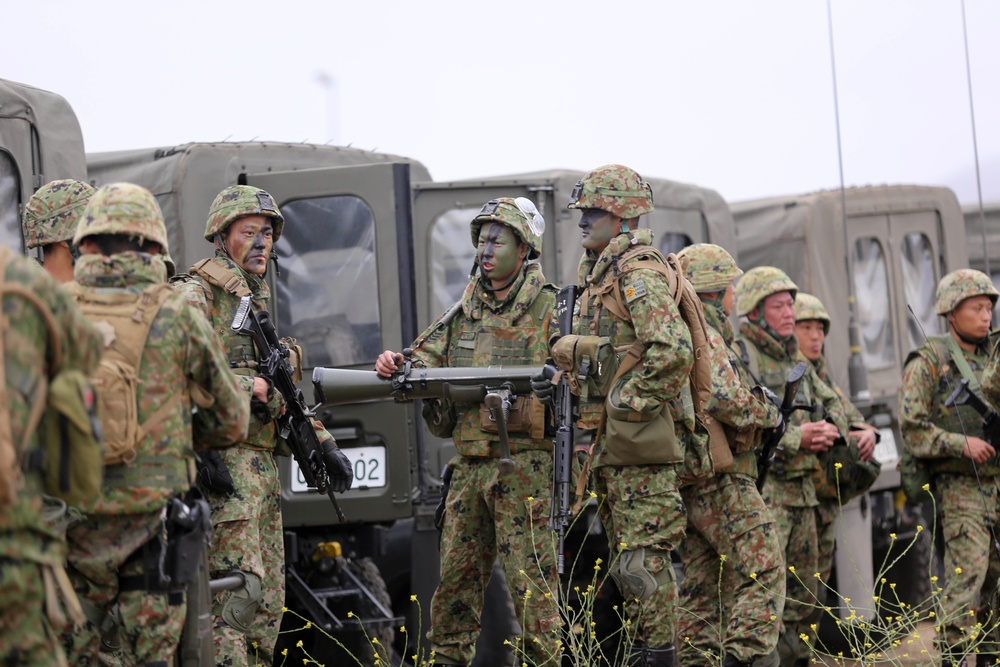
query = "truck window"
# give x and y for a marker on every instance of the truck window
(920, 284)
(327, 289)
(451, 256)
(10, 187)
(672, 242)
(871, 284)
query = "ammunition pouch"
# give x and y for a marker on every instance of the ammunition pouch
(439, 414)
(590, 364)
(526, 415)
(639, 438)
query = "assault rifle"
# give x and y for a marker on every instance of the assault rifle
(965, 396)
(562, 451)
(295, 424)
(766, 455)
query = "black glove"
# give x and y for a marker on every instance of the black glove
(541, 383)
(213, 473)
(776, 432)
(338, 467)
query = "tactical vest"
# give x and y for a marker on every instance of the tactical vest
(958, 419)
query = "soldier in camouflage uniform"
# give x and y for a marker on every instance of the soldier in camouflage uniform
(732, 612)
(28, 544)
(244, 223)
(50, 218)
(629, 297)
(504, 318)
(950, 443)
(812, 324)
(123, 241)
(765, 298)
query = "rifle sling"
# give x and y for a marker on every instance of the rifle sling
(963, 366)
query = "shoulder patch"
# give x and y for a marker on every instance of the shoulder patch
(635, 290)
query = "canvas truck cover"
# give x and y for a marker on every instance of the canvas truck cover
(903, 239)
(40, 141)
(974, 219)
(186, 178)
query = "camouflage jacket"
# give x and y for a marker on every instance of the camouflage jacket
(513, 331)
(771, 360)
(732, 402)
(930, 430)
(23, 532)
(219, 304)
(181, 354)
(853, 415)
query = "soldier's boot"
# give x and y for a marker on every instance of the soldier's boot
(644, 656)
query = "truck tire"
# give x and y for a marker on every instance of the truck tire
(369, 575)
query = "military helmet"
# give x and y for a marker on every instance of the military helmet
(616, 189)
(50, 216)
(519, 214)
(808, 307)
(126, 209)
(959, 285)
(709, 267)
(759, 283)
(239, 201)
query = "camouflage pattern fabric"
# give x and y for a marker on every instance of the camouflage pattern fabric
(710, 268)
(730, 535)
(247, 524)
(51, 215)
(181, 349)
(520, 214)
(126, 209)
(759, 283)
(27, 543)
(240, 201)
(967, 513)
(641, 506)
(616, 189)
(489, 515)
(960, 285)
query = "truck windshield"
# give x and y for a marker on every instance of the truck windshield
(871, 283)
(10, 221)
(920, 284)
(327, 290)
(451, 255)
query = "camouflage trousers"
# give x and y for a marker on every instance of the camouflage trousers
(796, 528)
(971, 565)
(27, 638)
(826, 539)
(490, 515)
(733, 591)
(642, 512)
(248, 537)
(104, 551)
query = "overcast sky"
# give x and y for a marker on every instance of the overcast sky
(732, 95)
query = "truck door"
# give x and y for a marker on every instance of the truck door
(15, 164)
(345, 289)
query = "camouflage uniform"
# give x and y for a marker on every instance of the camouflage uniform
(28, 545)
(967, 509)
(789, 490)
(181, 360)
(248, 533)
(726, 610)
(640, 505)
(50, 216)
(489, 514)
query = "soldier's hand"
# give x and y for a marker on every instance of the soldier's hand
(818, 436)
(338, 467)
(978, 449)
(387, 363)
(213, 473)
(865, 442)
(541, 383)
(262, 389)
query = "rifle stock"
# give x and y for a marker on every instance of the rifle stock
(963, 395)
(786, 408)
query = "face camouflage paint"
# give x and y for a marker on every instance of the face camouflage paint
(249, 243)
(499, 252)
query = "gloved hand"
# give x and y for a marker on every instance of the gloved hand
(213, 473)
(541, 383)
(338, 467)
(776, 432)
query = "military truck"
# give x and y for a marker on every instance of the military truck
(979, 251)
(885, 248)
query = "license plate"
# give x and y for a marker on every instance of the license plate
(369, 469)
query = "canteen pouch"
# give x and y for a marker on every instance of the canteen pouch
(71, 440)
(590, 363)
(638, 438)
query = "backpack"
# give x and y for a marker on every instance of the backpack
(125, 321)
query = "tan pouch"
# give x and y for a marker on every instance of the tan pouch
(526, 416)
(638, 438)
(590, 361)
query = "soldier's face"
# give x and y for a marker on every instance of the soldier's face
(500, 253)
(598, 228)
(972, 316)
(779, 313)
(249, 241)
(729, 300)
(811, 336)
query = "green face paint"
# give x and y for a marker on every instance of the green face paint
(499, 253)
(598, 228)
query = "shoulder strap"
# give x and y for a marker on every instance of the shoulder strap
(751, 363)
(963, 366)
(444, 322)
(221, 277)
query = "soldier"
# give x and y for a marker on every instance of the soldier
(963, 465)
(504, 317)
(34, 349)
(812, 325)
(50, 218)
(735, 614)
(765, 298)
(244, 223)
(646, 425)
(120, 562)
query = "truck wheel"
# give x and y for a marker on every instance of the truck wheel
(369, 575)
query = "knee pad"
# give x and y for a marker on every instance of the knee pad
(634, 580)
(242, 604)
